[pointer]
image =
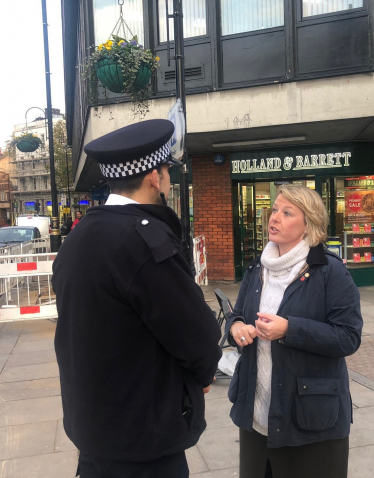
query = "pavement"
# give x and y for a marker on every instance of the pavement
(33, 443)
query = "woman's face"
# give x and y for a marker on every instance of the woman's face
(286, 224)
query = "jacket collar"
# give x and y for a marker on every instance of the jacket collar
(162, 213)
(316, 256)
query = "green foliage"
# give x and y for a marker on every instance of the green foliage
(10, 149)
(129, 56)
(59, 142)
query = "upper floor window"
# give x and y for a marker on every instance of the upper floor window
(321, 7)
(194, 19)
(106, 15)
(34, 184)
(2, 195)
(239, 16)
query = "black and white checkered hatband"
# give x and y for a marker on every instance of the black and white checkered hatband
(138, 166)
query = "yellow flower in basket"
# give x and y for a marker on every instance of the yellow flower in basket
(108, 44)
(100, 47)
(157, 58)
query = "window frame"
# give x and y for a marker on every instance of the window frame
(251, 32)
(330, 16)
(187, 41)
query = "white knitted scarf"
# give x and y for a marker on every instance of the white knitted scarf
(279, 272)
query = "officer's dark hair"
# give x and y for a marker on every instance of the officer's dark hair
(128, 185)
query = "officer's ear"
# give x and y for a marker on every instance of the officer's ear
(154, 177)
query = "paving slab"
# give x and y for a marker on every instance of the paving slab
(220, 448)
(367, 318)
(217, 414)
(367, 295)
(218, 389)
(34, 336)
(30, 358)
(45, 387)
(231, 472)
(368, 327)
(38, 345)
(361, 396)
(8, 342)
(360, 463)
(362, 361)
(368, 310)
(362, 431)
(27, 440)
(29, 372)
(63, 443)
(54, 465)
(30, 326)
(196, 463)
(3, 360)
(30, 411)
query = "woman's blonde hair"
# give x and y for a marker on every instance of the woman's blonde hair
(310, 202)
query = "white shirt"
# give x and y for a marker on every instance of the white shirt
(118, 200)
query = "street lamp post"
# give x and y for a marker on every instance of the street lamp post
(55, 227)
(177, 16)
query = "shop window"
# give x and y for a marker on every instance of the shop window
(240, 16)
(194, 19)
(322, 7)
(355, 219)
(106, 15)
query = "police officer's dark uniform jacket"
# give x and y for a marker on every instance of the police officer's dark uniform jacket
(135, 341)
(310, 399)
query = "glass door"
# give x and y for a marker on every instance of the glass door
(247, 225)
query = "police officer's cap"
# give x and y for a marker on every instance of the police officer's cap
(133, 150)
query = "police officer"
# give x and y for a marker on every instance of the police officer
(136, 343)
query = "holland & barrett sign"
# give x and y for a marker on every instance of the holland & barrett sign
(307, 163)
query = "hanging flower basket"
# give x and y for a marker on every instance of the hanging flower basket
(121, 66)
(111, 77)
(27, 143)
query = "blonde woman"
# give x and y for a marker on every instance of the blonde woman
(297, 316)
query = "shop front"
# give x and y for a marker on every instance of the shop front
(342, 173)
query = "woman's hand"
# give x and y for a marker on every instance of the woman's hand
(271, 326)
(239, 331)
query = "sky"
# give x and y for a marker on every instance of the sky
(22, 71)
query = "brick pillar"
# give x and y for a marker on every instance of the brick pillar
(213, 214)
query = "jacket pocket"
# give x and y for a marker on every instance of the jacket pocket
(316, 404)
(234, 383)
(192, 402)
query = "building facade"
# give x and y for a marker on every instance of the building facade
(277, 91)
(30, 171)
(7, 190)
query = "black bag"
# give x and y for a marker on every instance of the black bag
(65, 228)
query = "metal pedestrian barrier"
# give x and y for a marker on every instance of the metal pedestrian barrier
(25, 286)
(225, 308)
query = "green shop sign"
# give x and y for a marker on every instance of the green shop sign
(334, 159)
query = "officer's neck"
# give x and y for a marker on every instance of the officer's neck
(144, 196)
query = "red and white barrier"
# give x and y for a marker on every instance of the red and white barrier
(199, 253)
(25, 287)
(10, 314)
(23, 268)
